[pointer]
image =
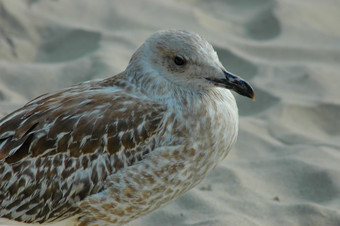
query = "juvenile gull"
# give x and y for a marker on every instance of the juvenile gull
(109, 151)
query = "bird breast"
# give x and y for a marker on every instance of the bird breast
(191, 144)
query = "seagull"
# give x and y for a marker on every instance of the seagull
(106, 152)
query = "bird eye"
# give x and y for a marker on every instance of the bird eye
(179, 60)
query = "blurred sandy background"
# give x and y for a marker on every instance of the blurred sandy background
(285, 168)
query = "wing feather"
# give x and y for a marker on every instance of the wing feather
(59, 148)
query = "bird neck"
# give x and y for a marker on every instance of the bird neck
(164, 91)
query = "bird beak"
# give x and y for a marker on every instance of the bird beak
(235, 83)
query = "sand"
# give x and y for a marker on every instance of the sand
(285, 168)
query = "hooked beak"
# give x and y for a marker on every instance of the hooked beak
(235, 83)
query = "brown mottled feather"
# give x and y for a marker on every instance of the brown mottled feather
(64, 136)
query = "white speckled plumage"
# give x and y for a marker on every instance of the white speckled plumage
(112, 150)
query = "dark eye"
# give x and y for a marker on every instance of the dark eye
(179, 60)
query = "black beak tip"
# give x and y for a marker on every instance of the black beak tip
(234, 83)
(239, 85)
(249, 92)
(253, 97)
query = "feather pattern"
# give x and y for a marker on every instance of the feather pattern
(81, 134)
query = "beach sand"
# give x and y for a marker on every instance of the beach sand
(285, 168)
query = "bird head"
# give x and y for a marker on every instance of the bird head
(187, 60)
